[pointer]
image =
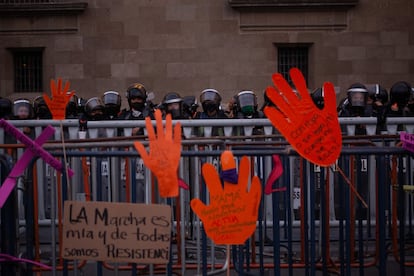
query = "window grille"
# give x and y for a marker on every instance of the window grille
(292, 56)
(28, 70)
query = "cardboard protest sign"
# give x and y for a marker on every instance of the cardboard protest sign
(60, 98)
(314, 133)
(164, 154)
(231, 216)
(34, 148)
(118, 232)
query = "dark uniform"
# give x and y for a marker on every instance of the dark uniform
(245, 107)
(138, 108)
(210, 100)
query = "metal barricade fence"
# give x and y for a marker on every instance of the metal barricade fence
(317, 223)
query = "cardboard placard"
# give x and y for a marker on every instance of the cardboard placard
(118, 232)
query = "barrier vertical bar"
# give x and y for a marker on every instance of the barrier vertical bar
(276, 234)
(29, 215)
(288, 210)
(8, 220)
(381, 216)
(311, 205)
(341, 201)
(401, 214)
(360, 182)
(323, 222)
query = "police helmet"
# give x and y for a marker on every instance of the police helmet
(40, 108)
(210, 95)
(172, 97)
(246, 102)
(136, 90)
(400, 93)
(318, 97)
(357, 95)
(22, 109)
(112, 102)
(94, 104)
(5, 107)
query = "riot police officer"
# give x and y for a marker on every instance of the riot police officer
(72, 109)
(318, 97)
(400, 95)
(40, 108)
(357, 98)
(138, 109)
(378, 99)
(5, 108)
(190, 107)
(172, 103)
(112, 103)
(210, 100)
(245, 107)
(23, 110)
(95, 109)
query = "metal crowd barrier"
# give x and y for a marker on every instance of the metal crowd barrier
(317, 223)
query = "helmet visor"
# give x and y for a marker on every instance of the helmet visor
(136, 93)
(22, 109)
(247, 99)
(112, 97)
(210, 95)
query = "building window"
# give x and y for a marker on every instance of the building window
(28, 69)
(292, 56)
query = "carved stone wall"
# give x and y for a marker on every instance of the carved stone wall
(187, 46)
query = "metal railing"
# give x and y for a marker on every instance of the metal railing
(317, 223)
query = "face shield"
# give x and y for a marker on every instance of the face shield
(247, 102)
(357, 97)
(94, 108)
(136, 93)
(22, 109)
(210, 95)
(112, 97)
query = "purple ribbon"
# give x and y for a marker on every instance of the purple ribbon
(229, 176)
(9, 258)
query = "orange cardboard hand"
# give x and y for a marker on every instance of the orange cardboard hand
(164, 155)
(231, 216)
(60, 98)
(314, 133)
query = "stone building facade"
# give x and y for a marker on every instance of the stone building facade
(186, 46)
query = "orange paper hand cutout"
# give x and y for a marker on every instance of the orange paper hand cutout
(164, 155)
(314, 133)
(232, 214)
(60, 98)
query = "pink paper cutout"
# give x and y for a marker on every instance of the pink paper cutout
(407, 141)
(274, 175)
